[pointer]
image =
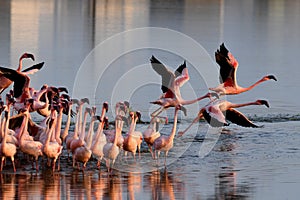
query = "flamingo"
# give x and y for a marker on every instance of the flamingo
(152, 133)
(130, 143)
(52, 149)
(217, 112)
(133, 137)
(165, 143)
(30, 147)
(79, 141)
(5, 82)
(74, 136)
(111, 150)
(121, 109)
(7, 149)
(171, 83)
(21, 80)
(228, 66)
(99, 139)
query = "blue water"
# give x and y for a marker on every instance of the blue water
(85, 48)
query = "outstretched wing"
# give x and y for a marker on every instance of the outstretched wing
(166, 75)
(34, 68)
(238, 118)
(228, 65)
(179, 70)
(20, 80)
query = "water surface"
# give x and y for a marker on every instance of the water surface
(245, 163)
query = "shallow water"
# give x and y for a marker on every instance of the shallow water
(244, 163)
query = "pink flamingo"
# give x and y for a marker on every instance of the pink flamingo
(111, 150)
(165, 143)
(152, 133)
(217, 112)
(171, 83)
(228, 66)
(30, 147)
(5, 82)
(52, 149)
(7, 149)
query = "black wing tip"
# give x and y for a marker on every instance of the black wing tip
(153, 59)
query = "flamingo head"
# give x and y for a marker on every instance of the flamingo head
(263, 102)
(27, 55)
(85, 100)
(63, 89)
(88, 110)
(269, 77)
(75, 101)
(105, 105)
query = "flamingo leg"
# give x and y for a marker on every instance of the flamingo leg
(13, 162)
(166, 154)
(2, 163)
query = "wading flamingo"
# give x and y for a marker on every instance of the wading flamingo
(52, 149)
(228, 66)
(111, 150)
(30, 147)
(165, 143)
(7, 149)
(152, 133)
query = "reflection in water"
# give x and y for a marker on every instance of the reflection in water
(164, 185)
(8, 189)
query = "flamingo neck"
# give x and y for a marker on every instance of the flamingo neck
(23, 127)
(20, 65)
(188, 102)
(67, 126)
(89, 135)
(50, 132)
(82, 131)
(251, 86)
(6, 126)
(102, 114)
(243, 104)
(172, 135)
(58, 125)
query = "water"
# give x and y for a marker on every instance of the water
(245, 163)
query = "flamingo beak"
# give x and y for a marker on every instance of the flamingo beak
(264, 102)
(272, 77)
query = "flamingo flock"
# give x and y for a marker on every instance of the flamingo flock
(91, 137)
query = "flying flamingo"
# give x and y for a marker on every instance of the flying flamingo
(7, 149)
(217, 112)
(228, 66)
(152, 133)
(171, 83)
(5, 82)
(165, 143)
(21, 80)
